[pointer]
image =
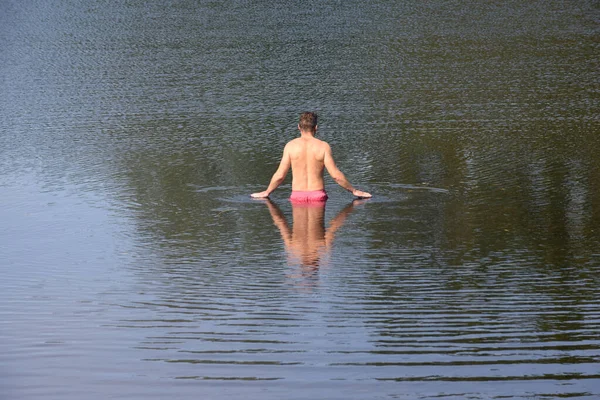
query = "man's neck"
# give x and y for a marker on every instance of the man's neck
(307, 134)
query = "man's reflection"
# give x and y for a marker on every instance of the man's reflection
(308, 242)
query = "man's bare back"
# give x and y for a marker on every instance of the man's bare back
(307, 156)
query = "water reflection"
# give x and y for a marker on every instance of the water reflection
(308, 242)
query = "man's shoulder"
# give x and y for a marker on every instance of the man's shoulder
(301, 142)
(319, 142)
(323, 144)
(292, 143)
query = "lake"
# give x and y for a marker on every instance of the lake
(136, 266)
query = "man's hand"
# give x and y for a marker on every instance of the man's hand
(360, 194)
(260, 195)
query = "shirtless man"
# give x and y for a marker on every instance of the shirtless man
(307, 156)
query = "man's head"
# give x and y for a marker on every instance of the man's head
(308, 122)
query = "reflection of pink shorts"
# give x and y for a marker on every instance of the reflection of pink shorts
(308, 197)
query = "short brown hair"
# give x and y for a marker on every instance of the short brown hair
(308, 121)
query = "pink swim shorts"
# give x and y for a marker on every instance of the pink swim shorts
(308, 197)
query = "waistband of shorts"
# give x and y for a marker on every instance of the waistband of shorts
(309, 192)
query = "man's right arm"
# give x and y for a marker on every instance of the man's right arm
(338, 175)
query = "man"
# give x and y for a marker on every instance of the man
(307, 156)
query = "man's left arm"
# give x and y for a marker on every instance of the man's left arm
(278, 176)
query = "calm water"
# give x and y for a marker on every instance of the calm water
(135, 266)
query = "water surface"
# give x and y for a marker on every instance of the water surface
(135, 265)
